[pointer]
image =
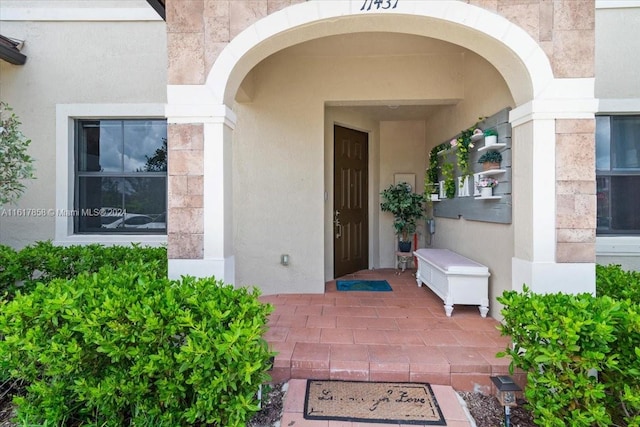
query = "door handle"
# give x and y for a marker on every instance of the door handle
(336, 222)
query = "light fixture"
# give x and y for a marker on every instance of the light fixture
(506, 395)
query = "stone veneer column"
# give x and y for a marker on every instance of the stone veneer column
(563, 131)
(575, 191)
(565, 29)
(573, 47)
(186, 183)
(197, 31)
(200, 222)
(185, 46)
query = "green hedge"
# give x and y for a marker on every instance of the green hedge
(613, 281)
(43, 261)
(581, 353)
(127, 346)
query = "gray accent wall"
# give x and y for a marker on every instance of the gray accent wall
(470, 207)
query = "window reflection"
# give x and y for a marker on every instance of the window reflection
(121, 183)
(145, 146)
(618, 174)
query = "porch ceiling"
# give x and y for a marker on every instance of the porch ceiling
(393, 111)
(381, 44)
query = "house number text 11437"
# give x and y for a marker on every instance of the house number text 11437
(367, 5)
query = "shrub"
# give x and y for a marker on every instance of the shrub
(128, 347)
(580, 354)
(12, 270)
(16, 165)
(617, 283)
(43, 261)
(624, 286)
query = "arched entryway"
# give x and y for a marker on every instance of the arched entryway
(539, 99)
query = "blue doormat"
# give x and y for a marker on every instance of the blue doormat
(364, 285)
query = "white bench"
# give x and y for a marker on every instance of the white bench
(454, 278)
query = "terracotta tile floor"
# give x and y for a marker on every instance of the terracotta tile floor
(403, 335)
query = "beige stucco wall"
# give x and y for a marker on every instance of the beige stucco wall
(627, 262)
(73, 63)
(488, 243)
(280, 207)
(278, 116)
(617, 62)
(402, 150)
(618, 85)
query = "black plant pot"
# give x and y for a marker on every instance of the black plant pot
(404, 246)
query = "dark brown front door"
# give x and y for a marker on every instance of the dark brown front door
(350, 201)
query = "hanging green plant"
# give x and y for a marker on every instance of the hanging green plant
(449, 180)
(463, 144)
(431, 177)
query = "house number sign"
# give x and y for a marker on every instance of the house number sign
(368, 5)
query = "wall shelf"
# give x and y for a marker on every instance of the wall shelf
(491, 147)
(490, 172)
(488, 198)
(476, 177)
(467, 202)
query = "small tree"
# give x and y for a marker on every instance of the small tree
(15, 164)
(406, 207)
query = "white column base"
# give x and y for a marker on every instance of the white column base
(221, 269)
(551, 277)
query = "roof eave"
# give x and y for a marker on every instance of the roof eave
(159, 7)
(12, 56)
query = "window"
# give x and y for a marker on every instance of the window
(120, 176)
(618, 174)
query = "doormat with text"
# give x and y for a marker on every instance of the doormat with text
(380, 402)
(363, 285)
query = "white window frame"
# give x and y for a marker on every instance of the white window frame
(66, 116)
(608, 245)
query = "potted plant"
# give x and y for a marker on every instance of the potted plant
(406, 207)
(490, 137)
(490, 160)
(486, 185)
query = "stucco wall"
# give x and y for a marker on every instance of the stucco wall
(73, 63)
(618, 86)
(402, 150)
(627, 262)
(488, 243)
(617, 62)
(282, 209)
